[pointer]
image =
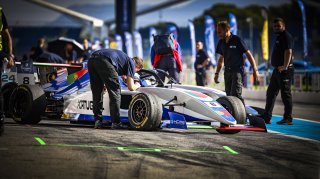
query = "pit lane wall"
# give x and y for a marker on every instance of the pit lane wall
(305, 86)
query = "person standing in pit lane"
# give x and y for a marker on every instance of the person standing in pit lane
(6, 57)
(202, 59)
(231, 49)
(281, 78)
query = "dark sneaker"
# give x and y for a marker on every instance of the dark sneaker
(285, 122)
(119, 126)
(98, 124)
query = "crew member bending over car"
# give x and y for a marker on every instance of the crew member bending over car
(104, 67)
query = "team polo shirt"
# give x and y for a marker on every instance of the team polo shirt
(122, 62)
(200, 58)
(232, 51)
(283, 42)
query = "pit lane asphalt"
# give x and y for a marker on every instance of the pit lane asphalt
(57, 149)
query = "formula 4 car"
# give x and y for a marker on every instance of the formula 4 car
(155, 105)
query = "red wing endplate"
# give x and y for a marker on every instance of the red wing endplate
(241, 128)
(256, 124)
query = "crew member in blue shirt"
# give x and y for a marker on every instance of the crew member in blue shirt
(231, 49)
(104, 67)
(281, 60)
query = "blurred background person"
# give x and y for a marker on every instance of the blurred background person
(40, 48)
(87, 50)
(69, 54)
(170, 62)
(202, 60)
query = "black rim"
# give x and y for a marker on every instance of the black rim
(21, 103)
(139, 111)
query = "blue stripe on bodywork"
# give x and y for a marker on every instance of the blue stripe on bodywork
(57, 84)
(300, 128)
(78, 84)
(218, 109)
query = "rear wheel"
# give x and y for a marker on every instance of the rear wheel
(27, 104)
(145, 112)
(6, 91)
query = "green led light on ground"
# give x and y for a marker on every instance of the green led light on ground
(138, 149)
(133, 149)
(230, 150)
(84, 146)
(40, 141)
(194, 151)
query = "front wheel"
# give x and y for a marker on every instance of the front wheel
(235, 107)
(27, 104)
(145, 112)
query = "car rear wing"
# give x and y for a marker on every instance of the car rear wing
(38, 64)
(29, 72)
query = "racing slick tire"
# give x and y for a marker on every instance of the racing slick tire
(145, 112)
(235, 107)
(27, 104)
(6, 92)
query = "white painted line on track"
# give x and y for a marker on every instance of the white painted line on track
(308, 120)
(292, 136)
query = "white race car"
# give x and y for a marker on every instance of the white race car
(153, 106)
(157, 105)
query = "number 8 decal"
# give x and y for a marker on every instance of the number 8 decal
(26, 80)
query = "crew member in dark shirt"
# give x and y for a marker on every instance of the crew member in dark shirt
(281, 60)
(5, 53)
(231, 49)
(104, 67)
(202, 59)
